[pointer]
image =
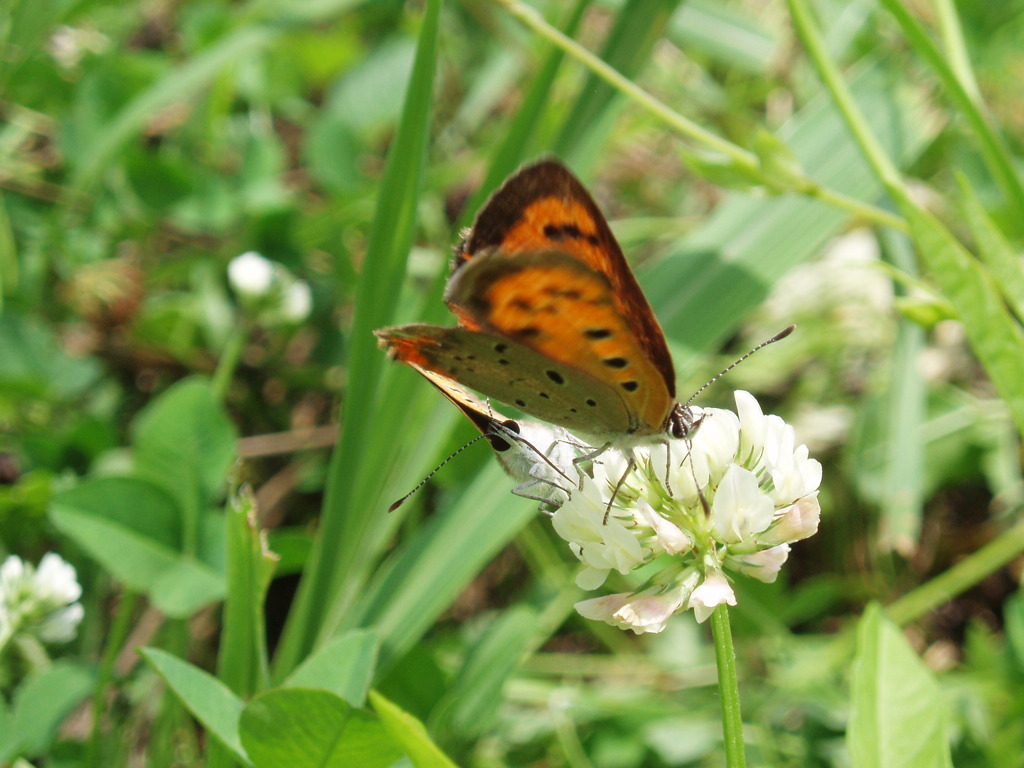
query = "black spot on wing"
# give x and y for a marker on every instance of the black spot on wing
(615, 362)
(555, 376)
(630, 386)
(597, 333)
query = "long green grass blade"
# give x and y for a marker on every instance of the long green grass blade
(902, 492)
(342, 547)
(1000, 258)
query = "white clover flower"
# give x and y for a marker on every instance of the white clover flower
(41, 603)
(269, 290)
(735, 495)
(297, 303)
(251, 274)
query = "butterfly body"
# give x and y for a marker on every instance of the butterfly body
(551, 318)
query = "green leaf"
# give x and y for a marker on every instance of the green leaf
(208, 699)
(410, 733)
(44, 700)
(476, 694)
(177, 585)
(1004, 264)
(32, 362)
(136, 505)
(344, 666)
(185, 443)
(296, 728)
(898, 718)
(994, 335)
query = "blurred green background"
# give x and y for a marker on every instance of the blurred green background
(143, 146)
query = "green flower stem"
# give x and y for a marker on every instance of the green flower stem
(993, 149)
(744, 161)
(115, 641)
(229, 358)
(728, 688)
(965, 574)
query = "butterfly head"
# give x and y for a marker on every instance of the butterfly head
(683, 420)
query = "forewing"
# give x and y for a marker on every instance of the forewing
(563, 310)
(544, 207)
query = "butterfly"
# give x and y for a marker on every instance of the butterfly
(539, 456)
(551, 318)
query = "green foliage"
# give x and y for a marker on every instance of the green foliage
(861, 179)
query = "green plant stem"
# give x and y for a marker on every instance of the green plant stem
(956, 50)
(115, 641)
(993, 150)
(964, 575)
(745, 161)
(229, 359)
(813, 41)
(728, 689)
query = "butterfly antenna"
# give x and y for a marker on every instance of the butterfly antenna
(433, 472)
(777, 337)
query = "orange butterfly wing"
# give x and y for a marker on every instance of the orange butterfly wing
(544, 207)
(551, 303)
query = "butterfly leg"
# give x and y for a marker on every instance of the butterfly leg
(630, 466)
(522, 489)
(590, 457)
(693, 474)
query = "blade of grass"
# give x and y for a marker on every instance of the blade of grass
(345, 528)
(639, 24)
(902, 495)
(965, 574)
(993, 148)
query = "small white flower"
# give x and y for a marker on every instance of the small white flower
(668, 536)
(40, 602)
(711, 593)
(794, 523)
(56, 581)
(297, 303)
(604, 546)
(251, 274)
(739, 508)
(646, 611)
(763, 565)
